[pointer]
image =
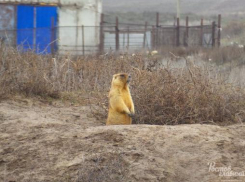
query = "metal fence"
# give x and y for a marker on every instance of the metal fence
(64, 40)
(128, 36)
(183, 36)
(97, 39)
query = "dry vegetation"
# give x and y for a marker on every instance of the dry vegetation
(234, 28)
(162, 95)
(108, 168)
(64, 142)
(229, 54)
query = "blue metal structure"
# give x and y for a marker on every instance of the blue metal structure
(25, 25)
(34, 27)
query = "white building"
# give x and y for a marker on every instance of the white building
(34, 22)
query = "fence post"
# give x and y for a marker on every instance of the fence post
(186, 31)
(145, 34)
(219, 29)
(177, 33)
(201, 32)
(76, 39)
(128, 38)
(101, 49)
(153, 37)
(123, 43)
(157, 19)
(213, 34)
(117, 34)
(34, 41)
(52, 36)
(157, 33)
(83, 40)
(15, 27)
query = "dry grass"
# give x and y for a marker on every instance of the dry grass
(191, 95)
(234, 28)
(162, 95)
(109, 168)
(223, 55)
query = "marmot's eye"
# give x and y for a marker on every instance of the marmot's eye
(122, 76)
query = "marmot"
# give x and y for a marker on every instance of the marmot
(121, 106)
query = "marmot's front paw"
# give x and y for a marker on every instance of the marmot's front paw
(131, 115)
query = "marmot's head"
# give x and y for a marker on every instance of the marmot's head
(121, 79)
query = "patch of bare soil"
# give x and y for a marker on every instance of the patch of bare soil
(42, 142)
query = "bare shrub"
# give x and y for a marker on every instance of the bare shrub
(190, 95)
(182, 95)
(161, 95)
(44, 75)
(25, 73)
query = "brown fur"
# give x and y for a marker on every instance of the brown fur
(121, 106)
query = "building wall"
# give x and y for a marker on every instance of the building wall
(72, 15)
(7, 24)
(71, 20)
(49, 2)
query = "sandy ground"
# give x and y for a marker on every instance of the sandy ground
(55, 142)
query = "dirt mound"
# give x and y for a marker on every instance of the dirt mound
(42, 142)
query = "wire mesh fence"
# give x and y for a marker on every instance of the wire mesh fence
(129, 37)
(81, 40)
(78, 40)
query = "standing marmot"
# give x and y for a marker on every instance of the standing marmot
(121, 106)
